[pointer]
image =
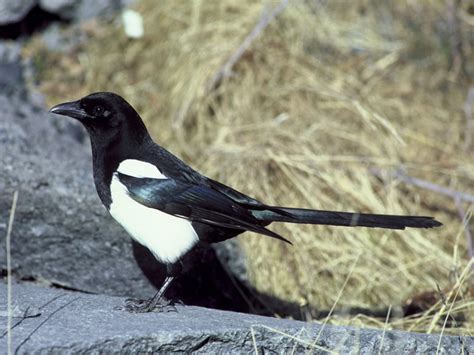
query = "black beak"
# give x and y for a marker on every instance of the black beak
(72, 109)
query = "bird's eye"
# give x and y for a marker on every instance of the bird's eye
(98, 110)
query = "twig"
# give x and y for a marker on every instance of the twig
(448, 315)
(387, 318)
(337, 298)
(467, 231)
(457, 196)
(458, 64)
(454, 291)
(254, 341)
(445, 301)
(469, 118)
(28, 337)
(9, 272)
(301, 341)
(31, 312)
(263, 23)
(462, 196)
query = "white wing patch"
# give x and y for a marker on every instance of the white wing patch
(140, 169)
(168, 237)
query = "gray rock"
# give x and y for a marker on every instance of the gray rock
(82, 9)
(11, 71)
(57, 40)
(12, 11)
(233, 257)
(66, 322)
(58, 6)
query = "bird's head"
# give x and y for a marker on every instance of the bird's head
(104, 114)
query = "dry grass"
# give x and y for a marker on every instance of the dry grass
(325, 93)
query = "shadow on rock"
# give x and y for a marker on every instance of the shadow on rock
(207, 283)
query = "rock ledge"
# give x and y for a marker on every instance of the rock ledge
(63, 321)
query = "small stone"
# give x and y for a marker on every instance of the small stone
(132, 24)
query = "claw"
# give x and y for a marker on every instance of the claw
(134, 305)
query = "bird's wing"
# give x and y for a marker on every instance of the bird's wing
(243, 199)
(176, 169)
(194, 202)
(233, 194)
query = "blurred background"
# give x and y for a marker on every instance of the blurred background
(341, 105)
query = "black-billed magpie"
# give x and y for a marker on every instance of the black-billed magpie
(169, 207)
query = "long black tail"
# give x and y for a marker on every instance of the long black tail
(300, 215)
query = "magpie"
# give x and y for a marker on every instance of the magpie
(169, 207)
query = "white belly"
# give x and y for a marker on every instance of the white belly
(168, 237)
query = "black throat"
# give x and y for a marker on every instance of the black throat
(110, 148)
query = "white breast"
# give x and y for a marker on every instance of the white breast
(141, 169)
(168, 237)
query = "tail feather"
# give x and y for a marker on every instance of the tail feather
(306, 216)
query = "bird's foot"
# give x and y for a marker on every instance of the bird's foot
(134, 305)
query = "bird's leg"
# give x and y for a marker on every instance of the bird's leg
(155, 304)
(158, 303)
